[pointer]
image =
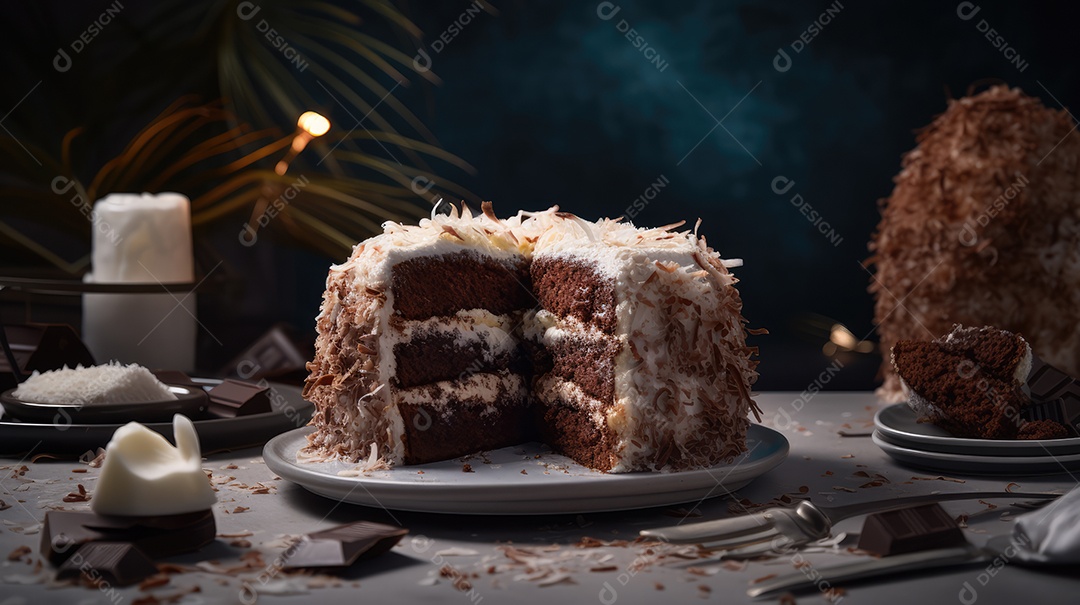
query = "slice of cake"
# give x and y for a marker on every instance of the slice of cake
(970, 382)
(623, 348)
(645, 364)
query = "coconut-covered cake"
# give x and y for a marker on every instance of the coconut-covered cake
(982, 229)
(623, 348)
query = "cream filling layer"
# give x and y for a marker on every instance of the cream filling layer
(552, 389)
(493, 331)
(547, 328)
(482, 388)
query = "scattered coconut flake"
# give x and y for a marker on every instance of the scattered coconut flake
(279, 587)
(456, 552)
(373, 463)
(112, 382)
(558, 577)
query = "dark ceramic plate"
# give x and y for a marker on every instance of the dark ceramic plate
(289, 411)
(190, 402)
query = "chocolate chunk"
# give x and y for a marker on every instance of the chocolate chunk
(910, 529)
(41, 347)
(343, 545)
(277, 355)
(1055, 397)
(176, 378)
(234, 398)
(161, 536)
(117, 563)
(1063, 411)
(1047, 383)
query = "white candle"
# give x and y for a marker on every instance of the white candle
(144, 475)
(142, 239)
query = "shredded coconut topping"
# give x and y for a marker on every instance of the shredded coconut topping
(109, 383)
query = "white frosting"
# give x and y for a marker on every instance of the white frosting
(144, 475)
(108, 383)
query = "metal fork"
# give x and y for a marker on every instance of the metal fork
(782, 528)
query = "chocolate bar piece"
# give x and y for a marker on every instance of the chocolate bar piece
(234, 398)
(343, 545)
(1046, 383)
(277, 355)
(910, 529)
(1055, 396)
(41, 347)
(1062, 411)
(117, 563)
(164, 536)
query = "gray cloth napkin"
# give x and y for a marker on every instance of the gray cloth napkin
(1050, 534)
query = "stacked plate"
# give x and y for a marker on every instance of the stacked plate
(900, 435)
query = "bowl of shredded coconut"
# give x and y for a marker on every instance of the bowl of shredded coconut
(111, 392)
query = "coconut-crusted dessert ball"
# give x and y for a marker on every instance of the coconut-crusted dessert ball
(983, 228)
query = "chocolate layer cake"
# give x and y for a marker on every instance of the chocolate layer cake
(623, 348)
(970, 382)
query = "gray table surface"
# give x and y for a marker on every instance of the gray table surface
(474, 549)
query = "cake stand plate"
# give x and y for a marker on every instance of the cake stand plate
(521, 480)
(899, 424)
(974, 464)
(290, 411)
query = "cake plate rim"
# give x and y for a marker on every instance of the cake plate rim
(897, 422)
(500, 488)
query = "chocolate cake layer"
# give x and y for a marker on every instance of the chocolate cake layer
(573, 432)
(588, 363)
(570, 288)
(432, 435)
(443, 285)
(434, 357)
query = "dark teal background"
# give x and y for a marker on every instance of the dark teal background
(553, 105)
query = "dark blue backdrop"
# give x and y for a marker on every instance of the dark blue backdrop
(780, 124)
(554, 104)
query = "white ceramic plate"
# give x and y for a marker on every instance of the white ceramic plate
(550, 484)
(899, 425)
(1009, 466)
